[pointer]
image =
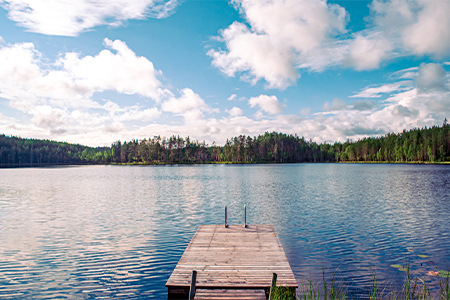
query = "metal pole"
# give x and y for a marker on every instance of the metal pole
(245, 216)
(226, 222)
(193, 282)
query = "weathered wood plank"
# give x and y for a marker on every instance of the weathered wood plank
(231, 282)
(233, 257)
(222, 294)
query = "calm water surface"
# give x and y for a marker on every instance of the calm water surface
(118, 231)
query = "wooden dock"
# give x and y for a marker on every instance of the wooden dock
(230, 260)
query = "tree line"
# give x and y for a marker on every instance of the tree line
(269, 147)
(416, 145)
(16, 151)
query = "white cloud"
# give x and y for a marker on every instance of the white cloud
(305, 111)
(431, 77)
(130, 113)
(136, 113)
(279, 33)
(408, 73)
(330, 54)
(58, 97)
(4, 120)
(403, 108)
(253, 55)
(25, 76)
(268, 104)
(122, 71)
(281, 37)
(377, 92)
(406, 107)
(422, 26)
(53, 119)
(303, 24)
(363, 105)
(113, 128)
(19, 68)
(400, 110)
(367, 52)
(59, 100)
(337, 104)
(430, 33)
(69, 18)
(189, 104)
(412, 109)
(438, 104)
(232, 97)
(235, 111)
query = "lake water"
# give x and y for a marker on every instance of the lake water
(118, 231)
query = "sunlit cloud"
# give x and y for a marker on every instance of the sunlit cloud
(368, 52)
(232, 97)
(189, 105)
(63, 100)
(235, 112)
(423, 26)
(70, 18)
(268, 104)
(58, 96)
(277, 34)
(379, 91)
(280, 38)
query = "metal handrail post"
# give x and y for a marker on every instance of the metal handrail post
(226, 221)
(245, 216)
(193, 283)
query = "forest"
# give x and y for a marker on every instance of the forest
(16, 151)
(416, 145)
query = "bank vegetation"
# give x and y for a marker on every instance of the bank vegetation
(424, 145)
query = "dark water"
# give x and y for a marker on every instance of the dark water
(118, 231)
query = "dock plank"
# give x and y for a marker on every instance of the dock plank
(232, 258)
(221, 294)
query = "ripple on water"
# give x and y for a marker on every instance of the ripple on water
(118, 231)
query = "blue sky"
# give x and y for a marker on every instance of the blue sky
(93, 72)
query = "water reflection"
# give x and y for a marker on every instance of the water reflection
(118, 231)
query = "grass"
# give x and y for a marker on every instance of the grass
(413, 288)
(331, 291)
(283, 293)
(445, 289)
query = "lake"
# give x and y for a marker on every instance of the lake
(118, 231)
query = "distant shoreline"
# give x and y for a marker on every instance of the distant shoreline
(397, 162)
(50, 165)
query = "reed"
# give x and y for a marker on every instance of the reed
(331, 291)
(283, 293)
(445, 289)
(413, 288)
